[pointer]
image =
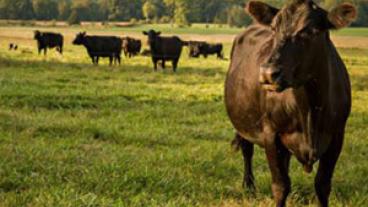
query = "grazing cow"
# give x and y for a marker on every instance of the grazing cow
(288, 90)
(131, 47)
(203, 48)
(49, 40)
(194, 48)
(100, 46)
(164, 49)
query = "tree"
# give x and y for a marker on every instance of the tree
(74, 18)
(16, 9)
(124, 10)
(64, 9)
(236, 17)
(149, 10)
(45, 9)
(362, 14)
(181, 16)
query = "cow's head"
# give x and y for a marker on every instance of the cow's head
(195, 49)
(37, 35)
(79, 39)
(300, 32)
(152, 36)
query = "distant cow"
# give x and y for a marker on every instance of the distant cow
(13, 46)
(100, 46)
(288, 91)
(49, 40)
(203, 48)
(164, 49)
(193, 47)
(131, 46)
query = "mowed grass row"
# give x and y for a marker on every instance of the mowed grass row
(73, 134)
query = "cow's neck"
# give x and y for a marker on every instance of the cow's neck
(318, 89)
(155, 45)
(319, 93)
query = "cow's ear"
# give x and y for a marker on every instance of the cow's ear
(261, 12)
(145, 33)
(342, 16)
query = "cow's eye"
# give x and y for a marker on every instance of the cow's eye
(305, 35)
(308, 33)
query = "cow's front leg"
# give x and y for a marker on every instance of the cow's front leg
(154, 64)
(326, 168)
(278, 160)
(93, 59)
(111, 58)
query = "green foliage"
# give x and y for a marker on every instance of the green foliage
(74, 18)
(45, 9)
(237, 18)
(363, 14)
(150, 10)
(64, 9)
(181, 12)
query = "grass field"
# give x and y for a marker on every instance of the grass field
(73, 134)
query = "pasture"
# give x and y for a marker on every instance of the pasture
(74, 134)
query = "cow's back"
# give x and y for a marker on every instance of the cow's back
(169, 47)
(49, 39)
(103, 46)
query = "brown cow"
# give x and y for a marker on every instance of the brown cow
(288, 90)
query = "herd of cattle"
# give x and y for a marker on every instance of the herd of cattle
(161, 49)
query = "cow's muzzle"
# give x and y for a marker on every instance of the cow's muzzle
(271, 79)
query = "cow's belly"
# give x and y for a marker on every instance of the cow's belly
(247, 119)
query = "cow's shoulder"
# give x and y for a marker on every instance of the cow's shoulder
(253, 34)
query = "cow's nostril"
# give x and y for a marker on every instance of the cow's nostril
(275, 75)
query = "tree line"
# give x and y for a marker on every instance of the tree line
(179, 12)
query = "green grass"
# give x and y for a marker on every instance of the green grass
(355, 32)
(73, 134)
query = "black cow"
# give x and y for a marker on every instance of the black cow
(164, 48)
(203, 48)
(131, 46)
(100, 46)
(49, 40)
